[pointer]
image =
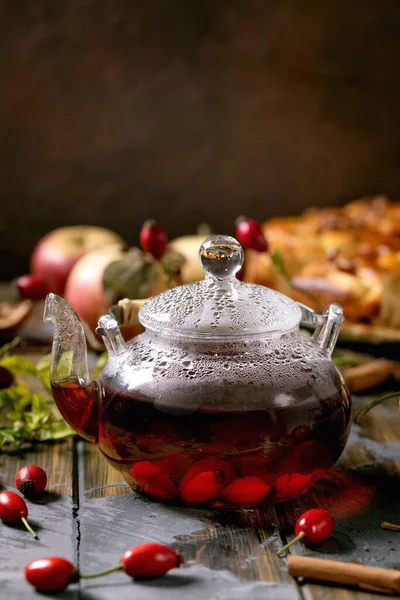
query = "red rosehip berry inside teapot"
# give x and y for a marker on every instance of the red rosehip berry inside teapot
(221, 401)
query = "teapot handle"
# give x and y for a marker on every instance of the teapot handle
(326, 326)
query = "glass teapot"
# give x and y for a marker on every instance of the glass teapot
(221, 402)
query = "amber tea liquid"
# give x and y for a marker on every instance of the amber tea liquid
(237, 455)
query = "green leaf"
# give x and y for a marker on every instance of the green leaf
(19, 388)
(43, 371)
(30, 417)
(36, 421)
(59, 429)
(14, 415)
(6, 437)
(38, 403)
(25, 403)
(19, 365)
(131, 276)
(6, 398)
(14, 394)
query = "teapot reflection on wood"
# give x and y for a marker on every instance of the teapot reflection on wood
(221, 401)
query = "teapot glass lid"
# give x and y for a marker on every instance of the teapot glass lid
(220, 305)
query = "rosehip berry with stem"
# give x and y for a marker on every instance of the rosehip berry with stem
(13, 509)
(32, 287)
(312, 527)
(52, 574)
(153, 239)
(250, 234)
(31, 481)
(146, 561)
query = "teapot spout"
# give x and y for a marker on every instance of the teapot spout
(68, 356)
(77, 398)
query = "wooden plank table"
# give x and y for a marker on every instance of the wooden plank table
(91, 516)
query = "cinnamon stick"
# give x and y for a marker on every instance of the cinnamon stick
(348, 573)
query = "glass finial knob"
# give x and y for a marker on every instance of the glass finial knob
(221, 256)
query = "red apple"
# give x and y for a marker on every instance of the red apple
(84, 287)
(57, 252)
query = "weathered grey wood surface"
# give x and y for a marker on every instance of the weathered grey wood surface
(91, 516)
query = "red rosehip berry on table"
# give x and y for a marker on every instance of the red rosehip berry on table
(145, 561)
(32, 287)
(153, 239)
(315, 526)
(13, 509)
(312, 527)
(150, 560)
(250, 234)
(31, 481)
(51, 574)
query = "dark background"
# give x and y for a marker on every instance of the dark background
(191, 111)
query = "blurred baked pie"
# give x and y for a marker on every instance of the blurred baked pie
(349, 255)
